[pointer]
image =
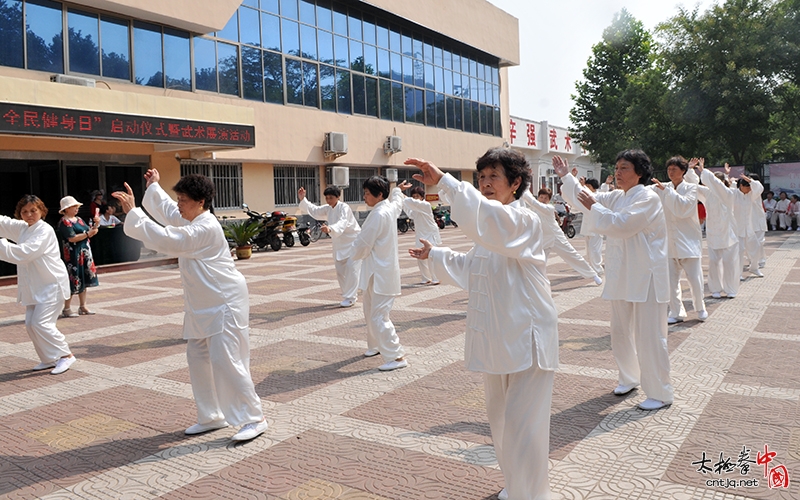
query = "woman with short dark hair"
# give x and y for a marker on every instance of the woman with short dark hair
(425, 228)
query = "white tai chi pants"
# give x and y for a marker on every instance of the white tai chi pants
(694, 274)
(563, 248)
(724, 270)
(594, 252)
(639, 345)
(381, 334)
(749, 247)
(426, 271)
(219, 368)
(347, 272)
(518, 407)
(784, 219)
(40, 322)
(762, 255)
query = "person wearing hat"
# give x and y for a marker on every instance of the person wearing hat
(77, 254)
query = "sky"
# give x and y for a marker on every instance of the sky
(556, 39)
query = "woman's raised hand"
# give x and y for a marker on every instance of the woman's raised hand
(561, 166)
(151, 176)
(430, 176)
(127, 200)
(421, 253)
(301, 193)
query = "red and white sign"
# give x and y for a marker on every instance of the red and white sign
(524, 133)
(431, 197)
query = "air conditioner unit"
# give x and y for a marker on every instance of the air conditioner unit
(391, 174)
(73, 80)
(340, 176)
(335, 144)
(393, 144)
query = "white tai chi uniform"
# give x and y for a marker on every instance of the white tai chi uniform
(380, 274)
(751, 224)
(769, 208)
(425, 228)
(594, 242)
(685, 244)
(637, 283)
(216, 307)
(42, 282)
(512, 328)
(724, 268)
(344, 230)
(109, 221)
(781, 215)
(553, 238)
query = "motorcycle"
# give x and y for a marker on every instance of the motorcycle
(565, 221)
(404, 223)
(442, 217)
(272, 225)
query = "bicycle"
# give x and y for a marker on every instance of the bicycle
(315, 230)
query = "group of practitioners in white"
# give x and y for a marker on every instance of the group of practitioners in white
(652, 235)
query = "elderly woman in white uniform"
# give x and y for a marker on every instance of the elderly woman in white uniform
(750, 222)
(685, 239)
(425, 228)
(512, 323)
(637, 277)
(42, 280)
(216, 320)
(343, 229)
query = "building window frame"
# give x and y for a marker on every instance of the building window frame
(227, 179)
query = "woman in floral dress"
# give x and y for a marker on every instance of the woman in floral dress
(77, 254)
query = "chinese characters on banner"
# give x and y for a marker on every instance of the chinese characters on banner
(741, 468)
(542, 136)
(524, 133)
(40, 120)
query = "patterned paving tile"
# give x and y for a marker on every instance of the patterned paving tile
(782, 319)
(413, 328)
(765, 362)
(16, 376)
(133, 347)
(277, 314)
(161, 306)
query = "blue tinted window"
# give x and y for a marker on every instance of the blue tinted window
(359, 94)
(385, 99)
(148, 54)
(44, 34)
(271, 31)
(273, 77)
(340, 20)
(465, 90)
(289, 9)
(369, 30)
(290, 31)
(430, 109)
(394, 40)
(427, 52)
(456, 62)
(228, 63)
(473, 68)
(231, 30)
(496, 92)
(205, 64)
(384, 69)
(398, 108)
(438, 55)
(419, 106)
(441, 120)
(383, 35)
(448, 82)
(341, 51)
(270, 6)
(410, 109)
(356, 55)
(343, 101)
(473, 89)
(310, 85)
(251, 3)
(408, 71)
(294, 81)
(397, 66)
(476, 116)
(327, 87)
(371, 86)
(484, 114)
(325, 46)
(407, 46)
(354, 20)
(498, 128)
(467, 116)
(308, 12)
(252, 74)
(249, 30)
(324, 19)
(439, 80)
(370, 59)
(417, 48)
(84, 53)
(11, 48)
(177, 65)
(419, 72)
(309, 39)
(481, 90)
(429, 76)
(116, 50)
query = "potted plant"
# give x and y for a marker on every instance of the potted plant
(241, 233)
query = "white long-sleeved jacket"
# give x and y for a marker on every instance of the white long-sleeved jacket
(377, 245)
(749, 213)
(424, 224)
(212, 286)
(685, 238)
(636, 245)
(41, 274)
(511, 316)
(342, 223)
(547, 216)
(720, 221)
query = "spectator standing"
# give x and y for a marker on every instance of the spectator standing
(77, 253)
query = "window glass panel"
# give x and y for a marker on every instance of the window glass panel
(354, 192)
(476, 116)
(291, 37)
(473, 89)
(294, 81)
(398, 109)
(419, 106)
(394, 40)
(427, 51)
(44, 36)
(370, 59)
(310, 86)
(458, 115)
(249, 26)
(116, 50)
(307, 12)
(289, 9)
(309, 34)
(439, 79)
(372, 96)
(369, 30)
(448, 82)
(273, 77)
(385, 98)
(354, 20)
(496, 76)
(340, 20)
(343, 101)
(407, 46)
(417, 44)
(11, 34)
(473, 68)
(428, 76)
(484, 119)
(498, 129)
(324, 15)
(359, 94)
(325, 44)
(252, 79)
(205, 64)
(383, 35)
(448, 59)
(84, 53)
(148, 54)
(356, 55)
(410, 109)
(397, 66)
(481, 71)
(177, 65)
(270, 6)
(271, 31)
(430, 108)
(408, 70)
(456, 62)
(496, 92)
(441, 121)
(228, 62)
(384, 69)
(481, 90)
(341, 51)
(419, 72)
(251, 3)
(327, 87)
(438, 55)
(467, 117)
(289, 178)
(465, 90)
(231, 30)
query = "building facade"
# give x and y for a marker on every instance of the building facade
(94, 92)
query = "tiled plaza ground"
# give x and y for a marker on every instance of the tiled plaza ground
(112, 426)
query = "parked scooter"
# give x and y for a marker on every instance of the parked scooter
(271, 232)
(442, 217)
(565, 221)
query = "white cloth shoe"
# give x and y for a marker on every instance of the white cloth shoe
(621, 390)
(652, 404)
(393, 365)
(702, 315)
(716, 295)
(347, 303)
(503, 495)
(371, 352)
(63, 365)
(598, 280)
(250, 431)
(44, 366)
(201, 428)
(756, 273)
(672, 321)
